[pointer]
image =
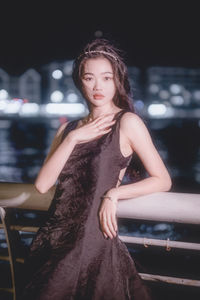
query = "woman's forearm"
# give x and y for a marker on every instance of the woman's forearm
(145, 186)
(53, 166)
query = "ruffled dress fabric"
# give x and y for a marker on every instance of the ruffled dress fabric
(70, 259)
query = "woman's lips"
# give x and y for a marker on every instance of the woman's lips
(98, 96)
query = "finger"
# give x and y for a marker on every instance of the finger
(110, 226)
(105, 227)
(105, 235)
(114, 222)
(106, 124)
(104, 127)
(100, 130)
(107, 130)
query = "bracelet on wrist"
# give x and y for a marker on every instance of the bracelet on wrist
(110, 198)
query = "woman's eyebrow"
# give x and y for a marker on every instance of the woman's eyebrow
(107, 72)
(88, 73)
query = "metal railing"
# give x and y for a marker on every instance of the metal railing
(183, 208)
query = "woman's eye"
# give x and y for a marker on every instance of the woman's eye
(108, 78)
(88, 78)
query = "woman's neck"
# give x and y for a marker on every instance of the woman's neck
(96, 112)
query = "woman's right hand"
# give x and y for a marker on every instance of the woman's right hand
(92, 129)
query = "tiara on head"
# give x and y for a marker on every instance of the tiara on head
(102, 52)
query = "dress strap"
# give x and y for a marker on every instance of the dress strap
(120, 113)
(118, 116)
(70, 126)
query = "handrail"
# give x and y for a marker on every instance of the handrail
(160, 206)
(146, 242)
(34, 201)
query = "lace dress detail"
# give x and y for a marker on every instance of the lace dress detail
(69, 256)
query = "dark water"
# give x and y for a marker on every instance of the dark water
(24, 145)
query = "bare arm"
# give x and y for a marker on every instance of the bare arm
(159, 179)
(55, 161)
(140, 141)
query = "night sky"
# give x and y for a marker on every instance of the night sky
(34, 35)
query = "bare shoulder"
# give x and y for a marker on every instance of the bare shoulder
(133, 128)
(131, 120)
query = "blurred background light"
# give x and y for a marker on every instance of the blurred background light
(175, 88)
(153, 88)
(196, 95)
(157, 109)
(68, 67)
(139, 105)
(72, 97)
(12, 107)
(164, 94)
(65, 108)
(57, 74)
(57, 96)
(3, 104)
(177, 100)
(29, 109)
(3, 94)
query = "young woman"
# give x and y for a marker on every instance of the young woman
(77, 253)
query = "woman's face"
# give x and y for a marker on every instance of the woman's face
(98, 81)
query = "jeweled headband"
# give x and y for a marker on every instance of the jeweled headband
(99, 51)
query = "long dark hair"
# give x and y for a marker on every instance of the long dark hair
(123, 97)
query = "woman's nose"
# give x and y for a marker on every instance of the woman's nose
(97, 85)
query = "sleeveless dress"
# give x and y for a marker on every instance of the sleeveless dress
(70, 259)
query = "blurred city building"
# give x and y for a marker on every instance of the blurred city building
(157, 92)
(30, 86)
(27, 86)
(59, 84)
(172, 92)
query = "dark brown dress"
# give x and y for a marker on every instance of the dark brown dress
(70, 259)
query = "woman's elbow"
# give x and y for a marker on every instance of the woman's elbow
(41, 189)
(167, 184)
